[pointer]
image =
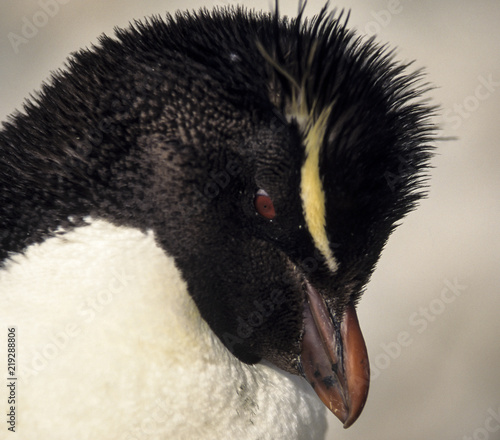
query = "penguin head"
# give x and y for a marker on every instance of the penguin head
(319, 150)
(272, 157)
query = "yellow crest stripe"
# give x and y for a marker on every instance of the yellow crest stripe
(312, 193)
(313, 129)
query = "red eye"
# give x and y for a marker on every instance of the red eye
(264, 205)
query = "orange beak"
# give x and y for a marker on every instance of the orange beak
(334, 358)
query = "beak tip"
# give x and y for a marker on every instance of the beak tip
(350, 419)
(357, 404)
(341, 413)
(346, 416)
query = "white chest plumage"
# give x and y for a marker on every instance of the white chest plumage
(111, 346)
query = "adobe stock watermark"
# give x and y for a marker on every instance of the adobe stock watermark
(486, 86)
(491, 424)
(31, 25)
(219, 180)
(246, 326)
(264, 309)
(383, 17)
(406, 167)
(60, 340)
(419, 321)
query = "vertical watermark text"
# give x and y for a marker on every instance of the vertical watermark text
(11, 378)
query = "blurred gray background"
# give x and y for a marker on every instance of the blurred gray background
(430, 314)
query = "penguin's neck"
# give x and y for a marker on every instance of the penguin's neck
(112, 342)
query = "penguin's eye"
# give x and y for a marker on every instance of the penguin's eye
(264, 205)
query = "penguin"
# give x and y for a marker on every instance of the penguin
(190, 212)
